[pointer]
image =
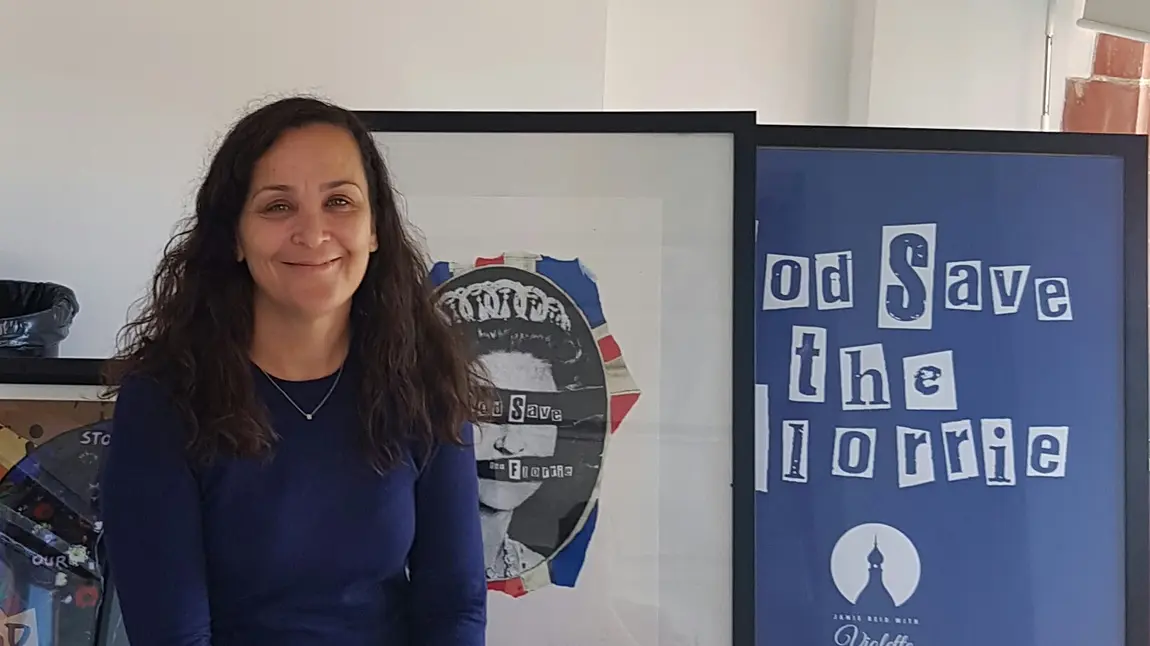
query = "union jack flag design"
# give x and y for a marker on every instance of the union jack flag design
(529, 290)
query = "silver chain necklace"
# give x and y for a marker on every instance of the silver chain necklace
(291, 401)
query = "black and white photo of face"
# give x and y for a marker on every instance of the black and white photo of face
(517, 375)
(540, 443)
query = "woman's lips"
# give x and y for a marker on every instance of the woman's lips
(312, 265)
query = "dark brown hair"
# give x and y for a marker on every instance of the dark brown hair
(194, 329)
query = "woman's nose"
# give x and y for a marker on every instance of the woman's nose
(311, 229)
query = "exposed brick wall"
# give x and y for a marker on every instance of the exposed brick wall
(1116, 96)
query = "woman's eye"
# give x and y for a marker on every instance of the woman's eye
(277, 207)
(339, 201)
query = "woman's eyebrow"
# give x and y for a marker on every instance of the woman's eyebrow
(326, 186)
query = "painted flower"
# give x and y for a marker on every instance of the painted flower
(87, 596)
(77, 554)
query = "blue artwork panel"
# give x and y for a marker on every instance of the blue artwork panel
(939, 390)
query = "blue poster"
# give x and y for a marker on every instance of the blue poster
(939, 399)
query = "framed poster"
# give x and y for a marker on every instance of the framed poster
(54, 427)
(951, 387)
(590, 258)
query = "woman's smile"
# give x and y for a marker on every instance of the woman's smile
(311, 266)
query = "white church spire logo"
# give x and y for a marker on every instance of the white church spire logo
(875, 567)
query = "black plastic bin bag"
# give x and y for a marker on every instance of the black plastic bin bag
(34, 318)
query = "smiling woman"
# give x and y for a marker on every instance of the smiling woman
(289, 383)
(308, 243)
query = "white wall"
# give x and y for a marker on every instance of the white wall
(787, 59)
(109, 109)
(965, 63)
(957, 64)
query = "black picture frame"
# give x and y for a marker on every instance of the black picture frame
(1133, 151)
(52, 372)
(741, 127)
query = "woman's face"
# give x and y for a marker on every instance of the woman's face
(306, 232)
(522, 374)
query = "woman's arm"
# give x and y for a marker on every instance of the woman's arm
(150, 505)
(449, 588)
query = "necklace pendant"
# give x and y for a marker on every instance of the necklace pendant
(306, 415)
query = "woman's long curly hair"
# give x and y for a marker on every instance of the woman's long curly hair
(193, 331)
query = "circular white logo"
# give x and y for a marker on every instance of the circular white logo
(874, 564)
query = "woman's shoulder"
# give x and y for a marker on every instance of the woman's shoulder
(423, 451)
(144, 405)
(138, 392)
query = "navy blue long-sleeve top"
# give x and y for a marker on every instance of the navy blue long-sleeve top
(309, 548)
